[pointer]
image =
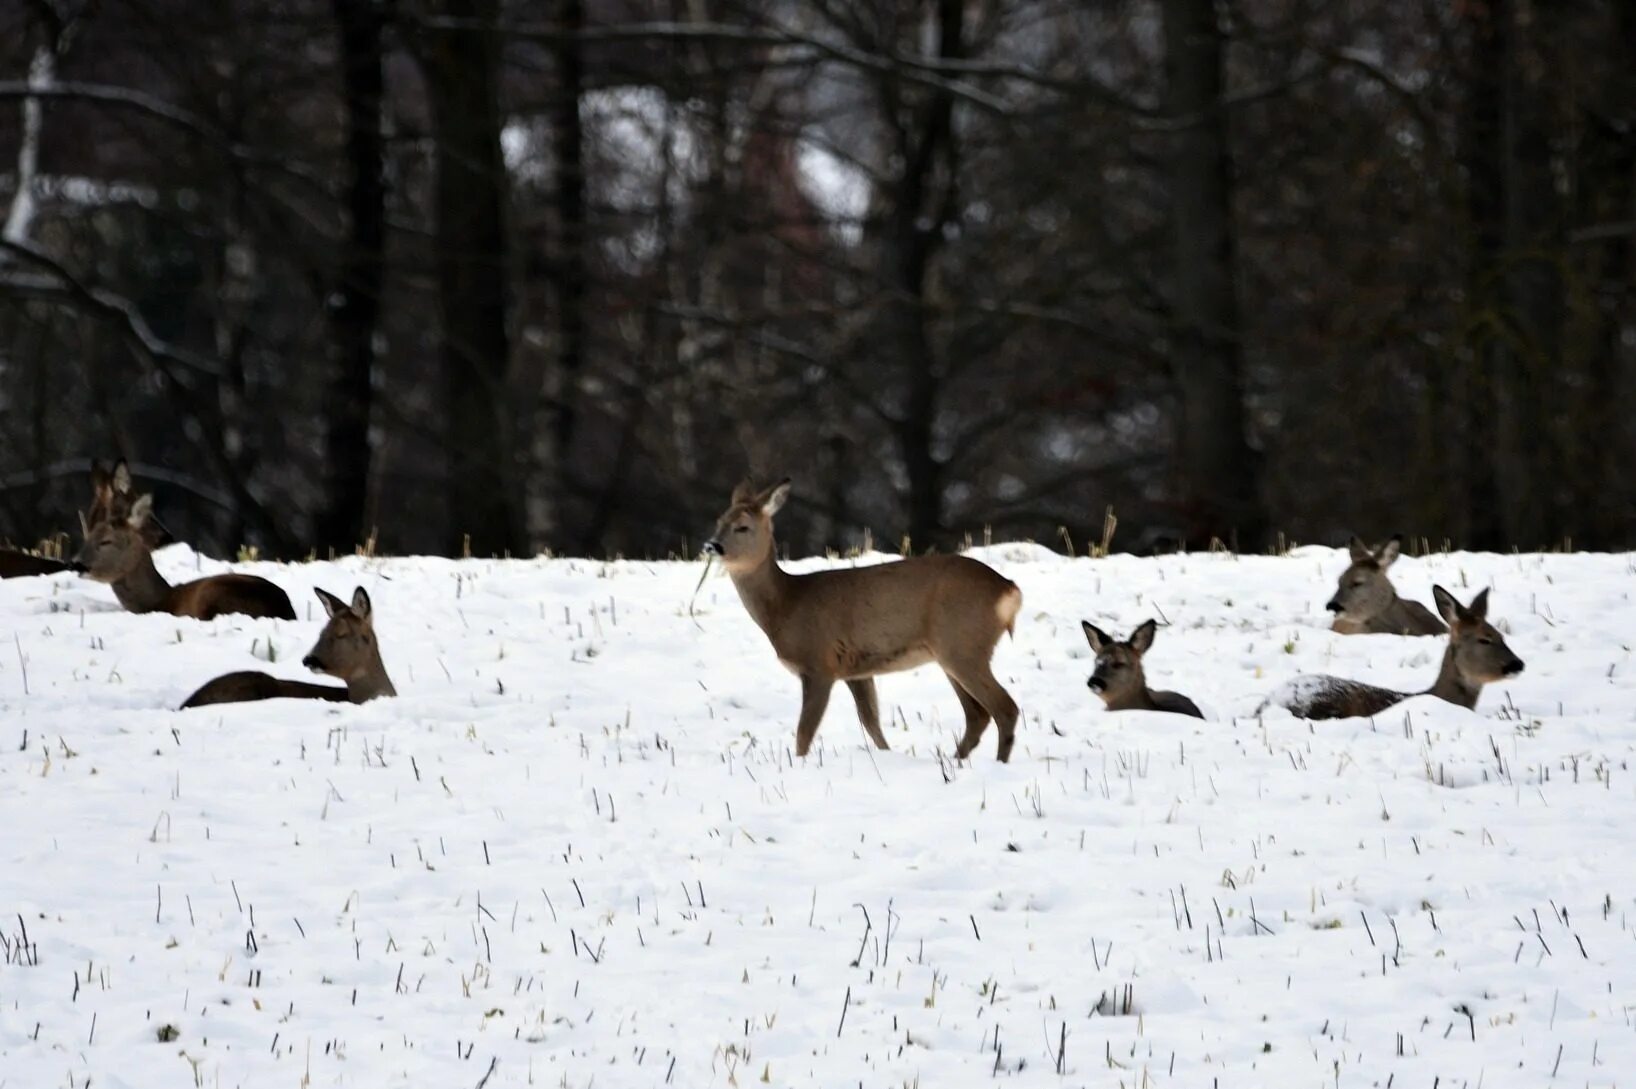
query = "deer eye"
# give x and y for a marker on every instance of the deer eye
(1486, 641)
(1357, 582)
(741, 529)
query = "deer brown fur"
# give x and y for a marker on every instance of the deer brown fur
(856, 623)
(15, 563)
(1477, 655)
(117, 553)
(1118, 678)
(1366, 602)
(346, 648)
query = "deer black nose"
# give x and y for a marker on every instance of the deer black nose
(1096, 684)
(1513, 667)
(713, 547)
(1334, 605)
(312, 661)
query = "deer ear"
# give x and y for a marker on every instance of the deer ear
(1094, 636)
(1452, 610)
(122, 477)
(331, 603)
(1478, 609)
(773, 501)
(85, 527)
(1142, 638)
(140, 510)
(101, 482)
(1360, 551)
(743, 492)
(360, 603)
(1387, 554)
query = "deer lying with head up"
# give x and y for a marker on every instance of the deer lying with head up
(1476, 655)
(15, 562)
(856, 623)
(346, 648)
(117, 553)
(1365, 601)
(1119, 679)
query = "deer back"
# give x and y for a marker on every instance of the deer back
(230, 594)
(249, 686)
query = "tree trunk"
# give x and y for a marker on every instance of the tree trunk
(921, 206)
(461, 66)
(355, 304)
(1513, 451)
(1220, 491)
(571, 266)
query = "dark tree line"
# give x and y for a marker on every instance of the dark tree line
(486, 274)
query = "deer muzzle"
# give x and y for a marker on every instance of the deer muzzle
(1513, 667)
(1335, 605)
(713, 547)
(314, 663)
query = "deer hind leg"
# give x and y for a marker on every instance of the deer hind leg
(978, 680)
(976, 720)
(814, 699)
(863, 694)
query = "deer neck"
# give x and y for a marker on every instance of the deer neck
(1449, 685)
(371, 681)
(763, 589)
(143, 589)
(1139, 698)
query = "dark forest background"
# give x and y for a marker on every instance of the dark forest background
(557, 274)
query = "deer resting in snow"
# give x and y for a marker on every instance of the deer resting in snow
(1476, 655)
(856, 623)
(117, 552)
(107, 498)
(1365, 601)
(1119, 679)
(346, 648)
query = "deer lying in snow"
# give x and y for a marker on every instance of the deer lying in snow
(346, 649)
(1476, 655)
(15, 563)
(116, 552)
(1365, 601)
(106, 499)
(856, 623)
(1119, 679)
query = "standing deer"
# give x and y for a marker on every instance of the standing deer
(346, 649)
(852, 625)
(1365, 601)
(1476, 655)
(117, 553)
(1119, 679)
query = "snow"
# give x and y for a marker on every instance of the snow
(576, 850)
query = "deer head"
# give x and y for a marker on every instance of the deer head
(1478, 651)
(115, 545)
(1364, 591)
(744, 532)
(1118, 678)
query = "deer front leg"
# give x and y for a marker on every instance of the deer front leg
(863, 694)
(814, 698)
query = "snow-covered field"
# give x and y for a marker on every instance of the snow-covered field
(577, 851)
